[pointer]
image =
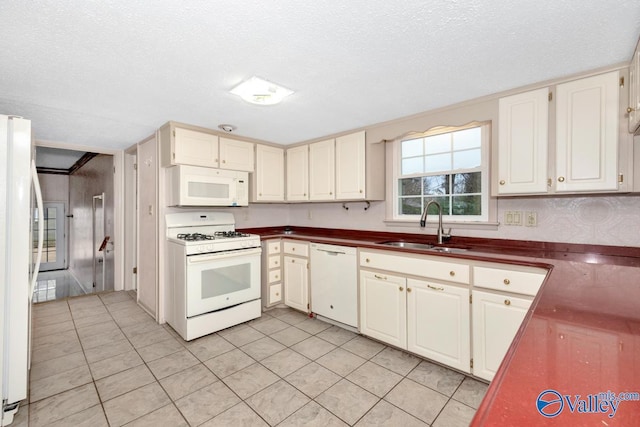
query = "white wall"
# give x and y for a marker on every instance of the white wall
(602, 220)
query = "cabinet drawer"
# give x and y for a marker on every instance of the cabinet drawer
(275, 276)
(519, 282)
(430, 267)
(275, 293)
(274, 261)
(273, 247)
(300, 249)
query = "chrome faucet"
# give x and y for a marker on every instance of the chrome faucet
(423, 222)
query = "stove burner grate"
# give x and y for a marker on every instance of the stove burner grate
(230, 234)
(192, 237)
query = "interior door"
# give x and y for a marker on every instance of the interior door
(54, 247)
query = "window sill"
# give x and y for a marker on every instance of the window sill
(433, 224)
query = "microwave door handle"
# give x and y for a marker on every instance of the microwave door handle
(196, 259)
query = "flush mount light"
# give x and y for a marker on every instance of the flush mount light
(260, 91)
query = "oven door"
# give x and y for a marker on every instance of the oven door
(220, 280)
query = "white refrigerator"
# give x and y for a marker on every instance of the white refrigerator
(17, 269)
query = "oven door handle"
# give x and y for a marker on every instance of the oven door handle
(195, 259)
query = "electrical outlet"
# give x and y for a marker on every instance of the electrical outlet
(531, 219)
(513, 218)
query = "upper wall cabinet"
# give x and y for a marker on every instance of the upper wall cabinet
(634, 91)
(298, 173)
(322, 170)
(268, 179)
(345, 168)
(180, 146)
(523, 133)
(587, 134)
(575, 150)
(188, 145)
(350, 167)
(236, 155)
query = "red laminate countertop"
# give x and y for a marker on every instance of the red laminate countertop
(581, 336)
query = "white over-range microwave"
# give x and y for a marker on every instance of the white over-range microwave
(198, 186)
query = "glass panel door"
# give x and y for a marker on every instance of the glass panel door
(54, 246)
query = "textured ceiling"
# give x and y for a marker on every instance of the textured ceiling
(108, 73)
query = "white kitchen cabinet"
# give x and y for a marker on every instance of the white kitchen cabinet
(575, 147)
(587, 134)
(182, 146)
(271, 272)
(322, 170)
(350, 167)
(236, 155)
(383, 307)
(298, 173)
(634, 91)
(523, 138)
(438, 322)
(296, 274)
(496, 320)
(268, 179)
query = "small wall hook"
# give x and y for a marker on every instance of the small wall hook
(368, 205)
(345, 207)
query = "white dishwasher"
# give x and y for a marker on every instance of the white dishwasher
(334, 283)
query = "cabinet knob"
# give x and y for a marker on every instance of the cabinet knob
(277, 277)
(260, 194)
(276, 263)
(401, 289)
(360, 191)
(502, 182)
(506, 281)
(561, 179)
(305, 194)
(408, 289)
(293, 260)
(452, 273)
(507, 302)
(293, 249)
(224, 161)
(367, 260)
(215, 160)
(331, 193)
(277, 294)
(630, 109)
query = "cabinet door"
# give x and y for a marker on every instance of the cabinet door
(496, 319)
(322, 170)
(587, 134)
(522, 142)
(634, 91)
(275, 292)
(438, 323)
(195, 148)
(383, 308)
(269, 179)
(296, 283)
(236, 155)
(298, 173)
(350, 167)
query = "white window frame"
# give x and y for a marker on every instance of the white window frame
(484, 169)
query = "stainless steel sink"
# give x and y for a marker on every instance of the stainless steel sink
(408, 245)
(423, 246)
(447, 250)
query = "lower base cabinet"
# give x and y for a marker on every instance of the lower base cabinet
(438, 323)
(496, 320)
(296, 283)
(430, 319)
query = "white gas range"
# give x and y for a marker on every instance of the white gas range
(212, 271)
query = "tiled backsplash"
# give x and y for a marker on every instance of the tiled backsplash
(602, 220)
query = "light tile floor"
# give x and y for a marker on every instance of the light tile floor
(100, 360)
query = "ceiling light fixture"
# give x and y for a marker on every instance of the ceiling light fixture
(261, 92)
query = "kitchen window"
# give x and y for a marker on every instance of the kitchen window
(448, 165)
